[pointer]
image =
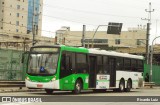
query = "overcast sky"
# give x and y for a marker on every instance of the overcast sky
(75, 13)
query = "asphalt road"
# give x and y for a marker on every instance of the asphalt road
(89, 98)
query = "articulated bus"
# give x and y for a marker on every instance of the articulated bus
(74, 69)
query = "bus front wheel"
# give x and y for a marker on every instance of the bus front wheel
(49, 91)
(78, 87)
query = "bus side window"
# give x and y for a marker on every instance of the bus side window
(100, 66)
(66, 61)
(68, 64)
(65, 65)
(106, 65)
(63, 60)
(134, 65)
(73, 63)
(140, 65)
(81, 63)
(120, 65)
(127, 64)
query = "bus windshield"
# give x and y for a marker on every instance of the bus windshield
(42, 63)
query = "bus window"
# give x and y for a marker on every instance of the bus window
(140, 65)
(68, 63)
(119, 65)
(134, 65)
(100, 65)
(81, 63)
(105, 64)
(63, 60)
(127, 64)
(73, 63)
(66, 68)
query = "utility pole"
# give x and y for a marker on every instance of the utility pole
(83, 35)
(148, 31)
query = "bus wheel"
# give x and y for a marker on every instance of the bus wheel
(49, 91)
(129, 85)
(121, 86)
(78, 87)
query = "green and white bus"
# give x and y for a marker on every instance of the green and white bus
(74, 69)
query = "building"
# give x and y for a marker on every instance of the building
(132, 41)
(19, 20)
(133, 38)
(13, 17)
(34, 21)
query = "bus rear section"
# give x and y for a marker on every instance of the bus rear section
(113, 70)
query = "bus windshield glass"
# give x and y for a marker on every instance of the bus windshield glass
(42, 63)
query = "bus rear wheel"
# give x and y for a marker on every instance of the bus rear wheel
(129, 86)
(121, 86)
(78, 87)
(49, 91)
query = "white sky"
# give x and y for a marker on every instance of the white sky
(75, 13)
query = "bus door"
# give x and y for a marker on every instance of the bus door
(66, 63)
(92, 71)
(112, 71)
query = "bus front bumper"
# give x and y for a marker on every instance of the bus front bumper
(47, 85)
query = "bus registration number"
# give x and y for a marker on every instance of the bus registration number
(39, 85)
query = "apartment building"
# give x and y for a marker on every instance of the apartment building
(19, 20)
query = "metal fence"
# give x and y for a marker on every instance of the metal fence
(155, 73)
(10, 65)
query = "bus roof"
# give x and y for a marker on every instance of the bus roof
(96, 51)
(74, 49)
(113, 53)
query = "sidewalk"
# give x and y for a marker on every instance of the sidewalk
(17, 89)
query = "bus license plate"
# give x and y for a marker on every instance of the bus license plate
(39, 85)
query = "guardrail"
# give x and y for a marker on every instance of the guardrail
(149, 84)
(19, 84)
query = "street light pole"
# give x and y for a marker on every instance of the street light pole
(151, 59)
(95, 34)
(119, 25)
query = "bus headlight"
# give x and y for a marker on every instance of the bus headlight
(53, 79)
(27, 78)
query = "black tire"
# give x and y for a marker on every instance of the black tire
(77, 87)
(129, 86)
(121, 86)
(49, 91)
